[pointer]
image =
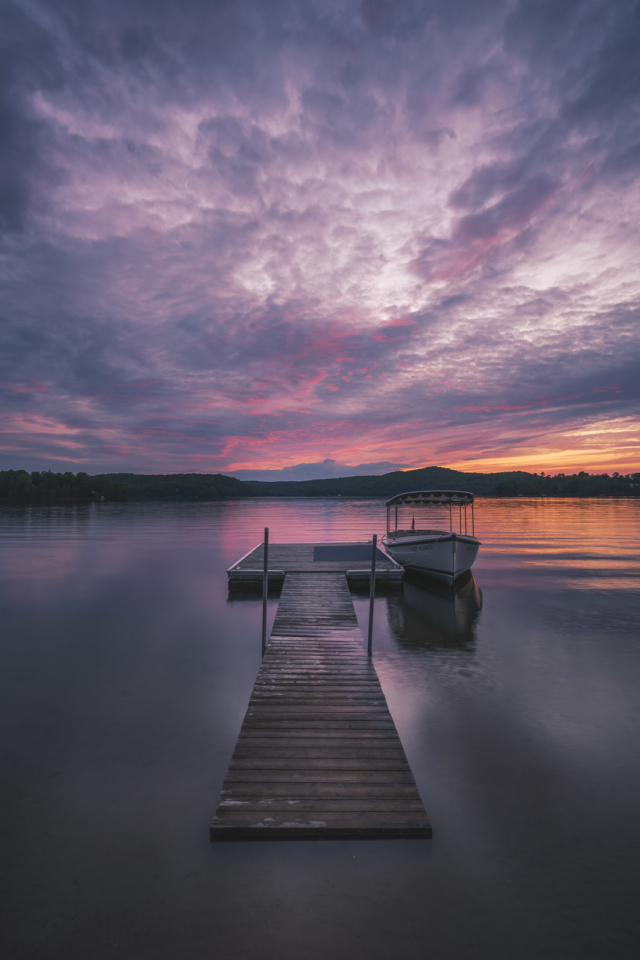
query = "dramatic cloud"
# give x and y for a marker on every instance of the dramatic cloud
(322, 236)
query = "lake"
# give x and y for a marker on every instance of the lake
(125, 674)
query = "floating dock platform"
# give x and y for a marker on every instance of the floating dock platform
(353, 560)
(318, 756)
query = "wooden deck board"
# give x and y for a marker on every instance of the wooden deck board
(299, 558)
(318, 755)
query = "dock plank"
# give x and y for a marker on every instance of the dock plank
(318, 755)
(287, 558)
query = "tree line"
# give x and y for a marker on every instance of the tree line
(46, 487)
(574, 485)
(509, 484)
(20, 486)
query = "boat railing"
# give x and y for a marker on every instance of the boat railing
(453, 503)
(418, 533)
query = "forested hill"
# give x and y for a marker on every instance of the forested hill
(19, 486)
(513, 484)
(180, 486)
(387, 485)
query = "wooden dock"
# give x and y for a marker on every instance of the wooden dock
(353, 560)
(318, 756)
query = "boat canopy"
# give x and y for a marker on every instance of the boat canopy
(437, 497)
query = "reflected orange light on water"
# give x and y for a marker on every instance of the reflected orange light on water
(593, 538)
(581, 543)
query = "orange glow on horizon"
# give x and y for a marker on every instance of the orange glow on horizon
(603, 447)
(562, 462)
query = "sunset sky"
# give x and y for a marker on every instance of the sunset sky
(320, 238)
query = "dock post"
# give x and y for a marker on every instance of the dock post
(265, 589)
(372, 593)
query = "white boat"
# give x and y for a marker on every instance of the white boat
(445, 554)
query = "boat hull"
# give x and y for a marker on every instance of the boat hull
(445, 557)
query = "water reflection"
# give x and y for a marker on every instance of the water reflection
(431, 615)
(125, 672)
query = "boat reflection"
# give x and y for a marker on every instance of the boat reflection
(432, 615)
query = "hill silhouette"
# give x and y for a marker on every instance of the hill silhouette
(23, 487)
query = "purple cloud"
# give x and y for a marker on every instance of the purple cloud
(241, 237)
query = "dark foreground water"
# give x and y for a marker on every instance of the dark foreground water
(124, 676)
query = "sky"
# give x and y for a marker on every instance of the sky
(296, 239)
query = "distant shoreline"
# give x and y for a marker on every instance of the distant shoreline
(20, 486)
(269, 496)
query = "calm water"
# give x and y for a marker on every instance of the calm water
(124, 676)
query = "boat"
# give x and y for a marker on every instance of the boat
(441, 553)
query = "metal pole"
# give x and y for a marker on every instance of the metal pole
(265, 589)
(372, 593)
